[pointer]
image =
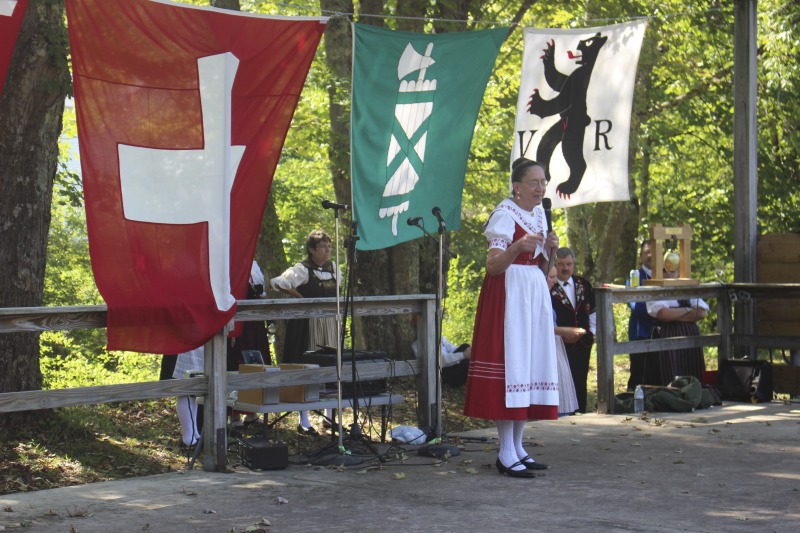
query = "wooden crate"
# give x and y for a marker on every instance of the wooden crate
(786, 379)
(778, 262)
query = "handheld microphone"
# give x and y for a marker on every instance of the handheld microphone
(414, 221)
(327, 204)
(546, 204)
(438, 214)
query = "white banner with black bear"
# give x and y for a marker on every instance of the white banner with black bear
(574, 109)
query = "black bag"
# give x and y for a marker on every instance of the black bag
(745, 380)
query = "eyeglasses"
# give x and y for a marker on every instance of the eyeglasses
(535, 183)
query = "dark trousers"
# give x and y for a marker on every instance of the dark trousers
(578, 357)
(455, 375)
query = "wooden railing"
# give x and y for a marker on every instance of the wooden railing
(724, 339)
(215, 384)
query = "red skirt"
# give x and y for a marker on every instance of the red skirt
(486, 383)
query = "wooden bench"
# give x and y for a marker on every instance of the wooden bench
(378, 400)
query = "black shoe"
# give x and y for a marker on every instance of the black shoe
(502, 469)
(306, 431)
(530, 464)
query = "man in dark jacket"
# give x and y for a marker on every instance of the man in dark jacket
(573, 302)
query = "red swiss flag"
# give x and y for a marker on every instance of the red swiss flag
(182, 113)
(11, 14)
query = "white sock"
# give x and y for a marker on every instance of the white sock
(519, 429)
(187, 415)
(304, 420)
(507, 454)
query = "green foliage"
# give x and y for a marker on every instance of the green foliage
(778, 109)
(78, 357)
(65, 363)
(461, 302)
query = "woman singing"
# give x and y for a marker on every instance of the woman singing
(513, 376)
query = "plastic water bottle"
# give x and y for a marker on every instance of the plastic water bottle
(634, 277)
(638, 400)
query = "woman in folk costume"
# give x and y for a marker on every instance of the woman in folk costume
(513, 375)
(314, 277)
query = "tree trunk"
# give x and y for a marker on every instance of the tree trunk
(372, 271)
(31, 109)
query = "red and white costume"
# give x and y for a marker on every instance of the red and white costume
(513, 373)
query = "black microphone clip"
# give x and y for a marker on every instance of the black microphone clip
(438, 214)
(327, 204)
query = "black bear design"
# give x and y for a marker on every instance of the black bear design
(570, 103)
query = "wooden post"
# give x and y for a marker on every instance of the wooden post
(724, 325)
(428, 409)
(605, 354)
(745, 164)
(215, 440)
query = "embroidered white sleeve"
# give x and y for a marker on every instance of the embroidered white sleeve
(498, 243)
(500, 230)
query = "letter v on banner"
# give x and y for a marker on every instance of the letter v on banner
(11, 14)
(182, 112)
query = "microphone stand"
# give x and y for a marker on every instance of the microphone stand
(355, 434)
(435, 448)
(343, 458)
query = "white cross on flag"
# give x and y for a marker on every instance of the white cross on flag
(11, 14)
(182, 113)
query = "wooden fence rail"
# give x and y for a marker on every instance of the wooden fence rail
(724, 339)
(216, 383)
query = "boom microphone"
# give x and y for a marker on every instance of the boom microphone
(327, 204)
(414, 221)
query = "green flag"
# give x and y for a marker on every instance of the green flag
(415, 101)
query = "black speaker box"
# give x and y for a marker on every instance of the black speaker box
(260, 453)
